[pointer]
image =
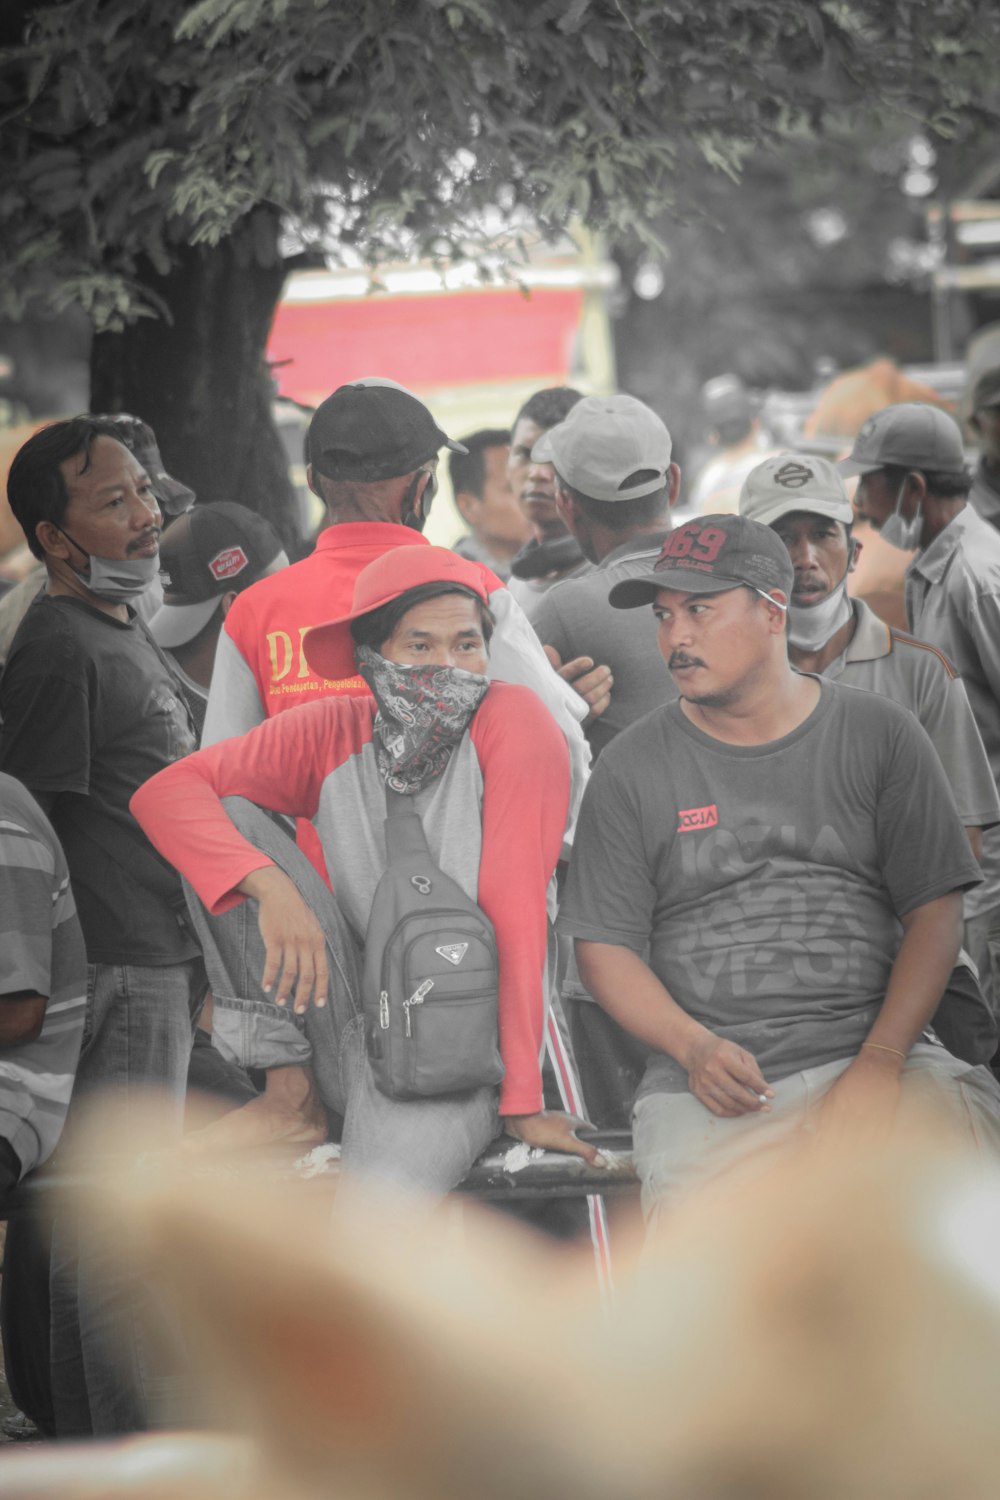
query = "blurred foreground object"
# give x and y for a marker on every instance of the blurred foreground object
(855, 395)
(826, 1329)
(738, 440)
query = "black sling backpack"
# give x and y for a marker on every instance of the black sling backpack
(431, 976)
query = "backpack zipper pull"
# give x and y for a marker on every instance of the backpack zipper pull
(417, 998)
(383, 1010)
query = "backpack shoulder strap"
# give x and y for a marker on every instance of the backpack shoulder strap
(404, 832)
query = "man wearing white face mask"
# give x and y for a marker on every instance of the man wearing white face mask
(802, 498)
(913, 488)
(91, 708)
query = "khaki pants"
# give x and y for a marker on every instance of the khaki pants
(679, 1144)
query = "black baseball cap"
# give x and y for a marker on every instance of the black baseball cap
(709, 556)
(372, 430)
(210, 551)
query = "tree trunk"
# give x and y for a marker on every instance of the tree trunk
(200, 379)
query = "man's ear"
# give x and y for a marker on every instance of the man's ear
(467, 505)
(52, 541)
(856, 547)
(916, 485)
(673, 484)
(566, 506)
(311, 482)
(227, 602)
(777, 602)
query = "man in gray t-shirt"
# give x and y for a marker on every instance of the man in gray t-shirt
(614, 486)
(759, 838)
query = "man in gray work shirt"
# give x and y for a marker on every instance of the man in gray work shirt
(803, 499)
(984, 403)
(914, 488)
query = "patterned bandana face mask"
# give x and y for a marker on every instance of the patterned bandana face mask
(422, 714)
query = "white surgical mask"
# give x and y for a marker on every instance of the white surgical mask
(898, 531)
(116, 580)
(809, 628)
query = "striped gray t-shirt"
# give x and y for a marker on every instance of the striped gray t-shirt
(41, 951)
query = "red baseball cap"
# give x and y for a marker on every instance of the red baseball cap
(392, 574)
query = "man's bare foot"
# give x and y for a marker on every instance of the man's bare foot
(288, 1112)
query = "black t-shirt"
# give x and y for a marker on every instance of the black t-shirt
(90, 710)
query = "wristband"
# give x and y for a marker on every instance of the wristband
(879, 1048)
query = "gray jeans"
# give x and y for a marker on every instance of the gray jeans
(426, 1145)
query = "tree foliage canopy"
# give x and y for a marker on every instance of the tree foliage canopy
(133, 128)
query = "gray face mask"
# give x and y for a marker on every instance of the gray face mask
(898, 531)
(116, 580)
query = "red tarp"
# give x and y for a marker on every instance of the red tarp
(456, 338)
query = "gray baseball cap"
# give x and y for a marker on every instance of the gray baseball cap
(911, 435)
(726, 399)
(986, 391)
(787, 482)
(604, 441)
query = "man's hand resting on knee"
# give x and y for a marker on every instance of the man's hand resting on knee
(725, 1078)
(864, 1097)
(296, 946)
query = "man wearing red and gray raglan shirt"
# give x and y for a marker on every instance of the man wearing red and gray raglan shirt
(372, 452)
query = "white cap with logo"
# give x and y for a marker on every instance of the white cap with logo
(603, 442)
(788, 482)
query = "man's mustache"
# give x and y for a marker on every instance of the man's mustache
(678, 659)
(152, 534)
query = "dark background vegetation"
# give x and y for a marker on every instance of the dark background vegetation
(163, 165)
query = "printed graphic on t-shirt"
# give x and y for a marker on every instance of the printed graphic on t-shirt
(697, 817)
(166, 705)
(775, 917)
